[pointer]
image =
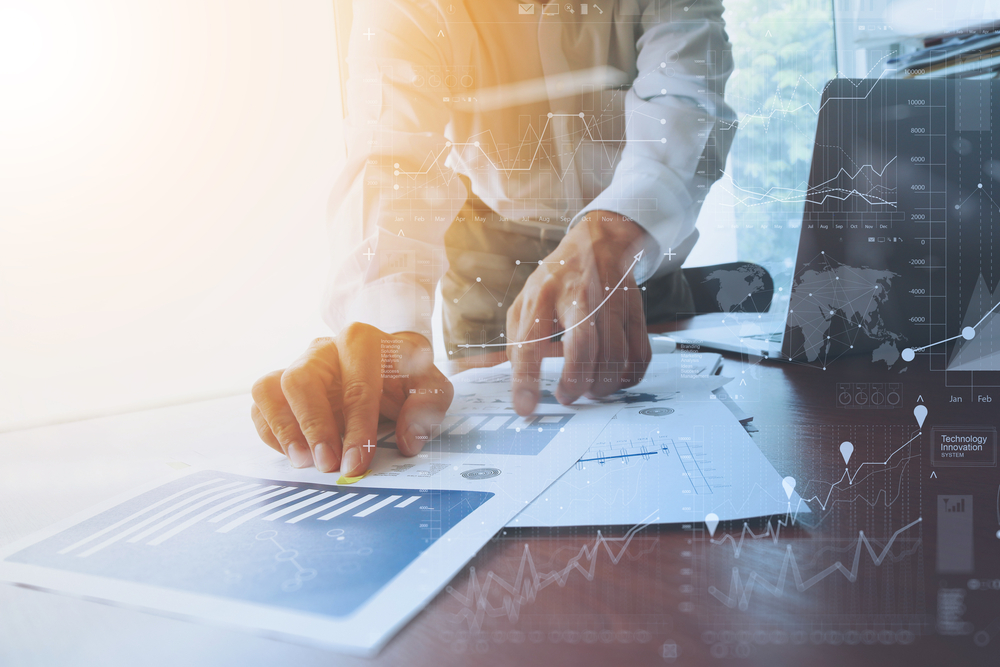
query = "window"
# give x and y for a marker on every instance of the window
(784, 55)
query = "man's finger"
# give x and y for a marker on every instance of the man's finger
(306, 385)
(263, 430)
(639, 351)
(270, 400)
(611, 356)
(535, 323)
(360, 368)
(423, 410)
(579, 348)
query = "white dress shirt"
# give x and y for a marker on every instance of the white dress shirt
(543, 113)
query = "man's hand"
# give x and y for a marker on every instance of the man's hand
(324, 409)
(603, 353)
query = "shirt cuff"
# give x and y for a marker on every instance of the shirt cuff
(653, 197)
(391, 305)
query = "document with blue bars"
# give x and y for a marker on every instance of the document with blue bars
(294, 546)
(316, 559)
(298, 553)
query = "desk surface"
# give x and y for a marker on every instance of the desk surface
(658, 596)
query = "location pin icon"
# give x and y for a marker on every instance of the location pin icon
(711, 520)
(920, 412)
(789, 484)
(846, 449)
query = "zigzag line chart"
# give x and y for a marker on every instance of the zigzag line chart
(770, 531)
(741, 590)
(773, 531)
(536, 138)
(528, 582)
(765, 117)
(821, 192)
(892, 462)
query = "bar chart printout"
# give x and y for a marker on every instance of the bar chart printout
(306, 547)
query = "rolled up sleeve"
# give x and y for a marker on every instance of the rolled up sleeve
(396, 198)
(678, 132)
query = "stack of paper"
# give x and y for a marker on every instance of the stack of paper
(677, 454)
(974, 55)
(339, 564)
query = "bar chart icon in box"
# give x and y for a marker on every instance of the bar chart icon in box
(489, 433)
(309, 547)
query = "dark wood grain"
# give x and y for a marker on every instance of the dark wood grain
(644, 603)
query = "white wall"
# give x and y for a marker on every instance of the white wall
(163, 184)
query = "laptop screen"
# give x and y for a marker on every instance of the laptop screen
(899, 253)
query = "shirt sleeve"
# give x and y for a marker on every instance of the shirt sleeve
(396, 198)
(678, 129)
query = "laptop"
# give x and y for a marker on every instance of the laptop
(756, 334)
(895, 255)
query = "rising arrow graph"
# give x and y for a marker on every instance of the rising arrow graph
(635, 260)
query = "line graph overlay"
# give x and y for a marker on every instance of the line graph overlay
(877, 194)
(772, 530)
(862, 544)
(741, 590)
(892, 462)
(523, 588)
(611, 292)
(978, 347)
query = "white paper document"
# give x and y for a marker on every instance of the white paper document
(677, 456)
(299, 555)
(294, 553)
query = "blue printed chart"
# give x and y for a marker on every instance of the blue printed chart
(490, 433)
(307, 547)
(267, 548)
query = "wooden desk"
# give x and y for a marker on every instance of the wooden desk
(629, 599)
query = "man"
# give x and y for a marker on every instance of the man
(556, 152)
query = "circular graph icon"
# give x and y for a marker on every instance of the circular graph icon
(480, 473)
(656, 412)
